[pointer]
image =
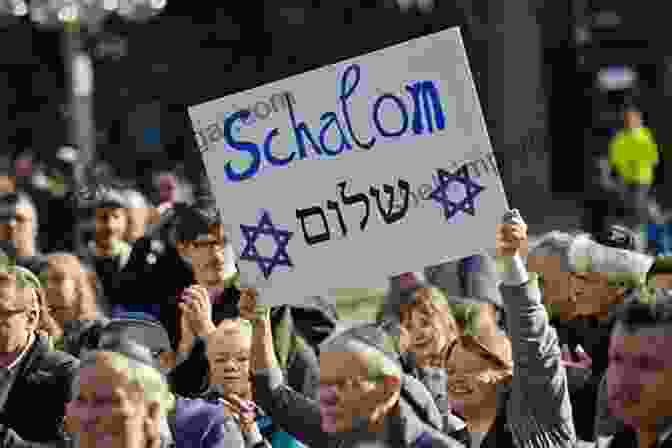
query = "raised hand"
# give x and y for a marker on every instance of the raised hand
(511, 235)
(197, 309)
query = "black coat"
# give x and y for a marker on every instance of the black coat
(34, 409)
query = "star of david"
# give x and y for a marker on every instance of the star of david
(281, 237)
(465, 205)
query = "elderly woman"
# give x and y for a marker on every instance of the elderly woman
(229, 358)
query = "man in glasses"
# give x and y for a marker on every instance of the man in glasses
(35, 381)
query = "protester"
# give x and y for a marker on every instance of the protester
(639, 374)
(70, 296)
(121, 401)
(19, 228)
(108, 252)
(231, 384)
(139, 214)
(35, 381)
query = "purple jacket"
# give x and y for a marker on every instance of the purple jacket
(199, 423)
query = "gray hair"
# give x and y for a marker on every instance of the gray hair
(555, 243)
(136, 199)
(24, 200)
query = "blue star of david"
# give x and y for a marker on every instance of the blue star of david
(281, 237)
(440, 193)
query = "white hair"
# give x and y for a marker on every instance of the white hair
(136, 199)
(24, 200)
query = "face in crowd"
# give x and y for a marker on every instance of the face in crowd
(19, 314)
(639, 376)
(137, 219)
(117, 403)
(570, 294)
(429, 324)
(229, 357)
(478, 361)
(20, 228)
(350, 399)
(69, 290)
(593, 295)
(111, 226)
(211, 256)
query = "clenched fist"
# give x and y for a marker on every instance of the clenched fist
(511, 236)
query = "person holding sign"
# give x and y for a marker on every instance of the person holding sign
(500, 408)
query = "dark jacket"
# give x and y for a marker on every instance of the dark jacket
(35, 406)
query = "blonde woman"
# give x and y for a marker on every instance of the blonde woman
(70, 299)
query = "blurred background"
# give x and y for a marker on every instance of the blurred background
(116, 81)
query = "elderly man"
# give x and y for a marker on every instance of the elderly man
(35, 382)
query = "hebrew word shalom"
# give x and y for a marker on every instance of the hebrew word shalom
(386, 210)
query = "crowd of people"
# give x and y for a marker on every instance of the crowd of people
(138, 333)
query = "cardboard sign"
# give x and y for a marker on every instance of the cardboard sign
(365, 169)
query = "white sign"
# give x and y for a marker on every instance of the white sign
(365, 169)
